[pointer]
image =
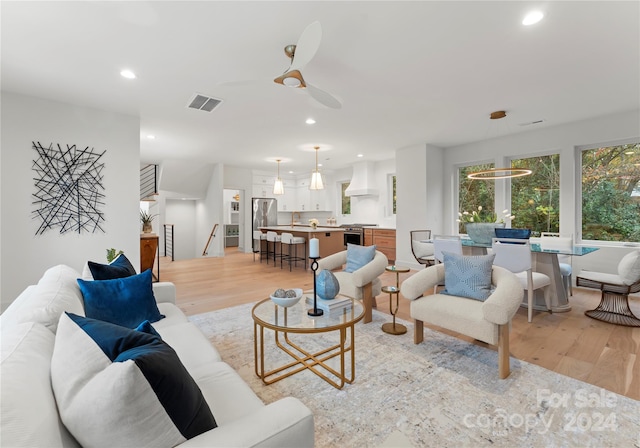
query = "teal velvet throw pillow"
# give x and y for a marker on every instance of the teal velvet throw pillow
(122, 301)
(467, 276)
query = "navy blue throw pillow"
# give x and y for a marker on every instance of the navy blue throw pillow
(133, 364)
(119, 268)
(121, 301)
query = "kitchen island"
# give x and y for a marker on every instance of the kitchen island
(331, 239)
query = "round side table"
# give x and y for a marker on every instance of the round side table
(393, 327)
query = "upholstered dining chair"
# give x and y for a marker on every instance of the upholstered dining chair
(422, 249)
(614, 301)
(515, 255)
(289, 242)
(359, 279)
(258, 237)
(555, 241)
(273, 241)
(446, 243)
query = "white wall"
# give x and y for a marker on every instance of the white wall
(26, 256)
(181, 213)
(210, 211)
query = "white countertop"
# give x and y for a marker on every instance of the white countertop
(305, 229)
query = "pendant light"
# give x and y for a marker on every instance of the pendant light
(316, 178)
(499, 173)
(278, 186)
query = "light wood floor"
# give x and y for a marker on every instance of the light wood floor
(569, 343)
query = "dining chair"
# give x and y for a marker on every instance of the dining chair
(421, 248)
(515, 255)
(446, 243)
(555, 241)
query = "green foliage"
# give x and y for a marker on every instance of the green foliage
(146, 217)
(111, 254)
(346, 200)
(474, 192)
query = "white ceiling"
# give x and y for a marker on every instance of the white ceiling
(406, 72)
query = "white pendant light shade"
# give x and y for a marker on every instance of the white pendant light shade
(316, 178)
(278, 186)
(316, 181)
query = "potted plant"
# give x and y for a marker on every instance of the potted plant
(147, 219)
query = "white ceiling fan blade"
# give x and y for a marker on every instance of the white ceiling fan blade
(307, 45)
(323, 97)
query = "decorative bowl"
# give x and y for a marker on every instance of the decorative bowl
(513, 233)
(288, 301)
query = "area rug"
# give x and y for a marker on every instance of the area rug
(444, 392)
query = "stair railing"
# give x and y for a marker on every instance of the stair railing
(211, 236)
(168, 241)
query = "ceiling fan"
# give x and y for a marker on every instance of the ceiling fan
(300, 55)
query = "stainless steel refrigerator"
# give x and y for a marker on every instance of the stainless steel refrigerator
(264, 212)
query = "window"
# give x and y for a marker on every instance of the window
(393, 193)
(535, 199)
(611, 193)
(346, 200)
(474, 193)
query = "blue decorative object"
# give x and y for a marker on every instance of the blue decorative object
(119, 268)
(327, 285)
(521, 234)
(482, 232)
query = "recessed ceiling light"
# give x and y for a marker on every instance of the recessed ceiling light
(151, 137)
(310, 121)
(360, 155)
(319, 164)
(532, 17)
(290, 172)
(128, 74)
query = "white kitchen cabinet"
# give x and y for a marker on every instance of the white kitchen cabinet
(303, 196)
(287, 201)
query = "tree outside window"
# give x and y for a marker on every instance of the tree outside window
(535, 199)
(346, 200)
(473, 193)
(611, 193)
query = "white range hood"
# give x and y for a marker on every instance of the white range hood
(362, 181)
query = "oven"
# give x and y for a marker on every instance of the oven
(354, 233)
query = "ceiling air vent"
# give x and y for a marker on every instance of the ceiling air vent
(202, 102)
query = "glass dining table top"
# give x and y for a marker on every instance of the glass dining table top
(535, 247)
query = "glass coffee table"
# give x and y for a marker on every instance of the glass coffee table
(294, 321)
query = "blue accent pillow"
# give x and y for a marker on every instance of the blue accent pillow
(122, 301)
(120, 267)
(146, 327)
(358, 256)
(467, 276)
(130, 381)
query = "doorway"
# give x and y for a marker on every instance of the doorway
(233, 222)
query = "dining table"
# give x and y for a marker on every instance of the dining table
(546, 262)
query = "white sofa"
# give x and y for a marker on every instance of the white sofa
(28, 407)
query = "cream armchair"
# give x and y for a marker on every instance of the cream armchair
(362, 284)
(486, 321)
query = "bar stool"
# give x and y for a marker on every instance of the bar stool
(292, 241)
(272, 241)
(394, 328)
(258, 238)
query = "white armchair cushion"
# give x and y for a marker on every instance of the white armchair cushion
(629, 268)
(422, 250)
